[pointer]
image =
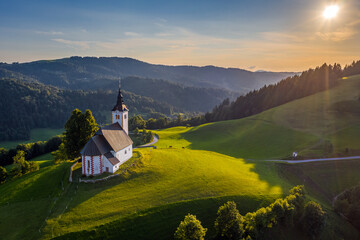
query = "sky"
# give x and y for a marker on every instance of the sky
(276, 35)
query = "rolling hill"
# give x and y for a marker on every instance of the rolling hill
(204, 167)
(93, 73)
(323, 124)
(35, 105)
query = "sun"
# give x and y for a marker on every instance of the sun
(331, 11)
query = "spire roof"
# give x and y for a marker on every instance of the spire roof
(120, 106)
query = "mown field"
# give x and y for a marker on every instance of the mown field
(195, 170)
(37, 134)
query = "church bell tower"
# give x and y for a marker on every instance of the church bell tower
(120, 112)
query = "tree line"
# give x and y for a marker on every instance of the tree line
(262, 224)
(31, 150)
(307, 83)
(27, 105)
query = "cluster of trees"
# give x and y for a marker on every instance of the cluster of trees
(79, 128)
(352, 69)
(27, 105)
(141, 137)
(164, 122)
(31, 150)
(289, 89)
(348, 204)
(19, 168)
(287, 212)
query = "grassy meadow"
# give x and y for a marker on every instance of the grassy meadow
(195, 170)
(37, 134)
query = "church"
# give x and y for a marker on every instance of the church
(111, 145)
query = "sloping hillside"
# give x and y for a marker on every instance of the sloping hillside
(92, 72)
(35, 105)
(323, 124)
(201, 170)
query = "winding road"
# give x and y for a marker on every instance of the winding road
(156, 138)
(316, 160)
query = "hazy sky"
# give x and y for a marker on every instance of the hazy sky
(277, 35)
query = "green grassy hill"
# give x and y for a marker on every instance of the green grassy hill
(324, 124)
(204, 167)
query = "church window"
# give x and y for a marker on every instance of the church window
(125, 152)
(125, 116)
(88, 166)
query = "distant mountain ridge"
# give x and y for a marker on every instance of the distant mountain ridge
(93, 73)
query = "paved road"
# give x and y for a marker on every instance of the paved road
(156, 138)
(316, 160)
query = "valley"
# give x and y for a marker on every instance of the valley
(195, 169)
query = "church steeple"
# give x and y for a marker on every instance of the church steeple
(120, 111)
(120, 106)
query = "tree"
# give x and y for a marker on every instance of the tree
(3, 175)
(72, 134)
(19, 158)
(23, 165)
(60, 154)
(190, 229)
(89, 127)
(229, 222)
(79, 128)
(314, 219)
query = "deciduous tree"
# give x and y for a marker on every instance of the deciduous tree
(190, 229)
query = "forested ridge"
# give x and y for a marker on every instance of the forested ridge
(307, 83)
(89, 73)
(28, 105)
(192, 99)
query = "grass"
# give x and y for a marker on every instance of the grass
(310, 126)
(166, 176)
(37, 134)
(25, 202)
(204, 168)
(324, 180)
(150, 222)
(246, 138)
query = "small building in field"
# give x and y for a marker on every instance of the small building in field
(111, 145)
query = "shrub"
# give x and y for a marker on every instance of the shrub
(313, 219)
(3, 175)
(190, 229)
(15, 171)
(229, 222)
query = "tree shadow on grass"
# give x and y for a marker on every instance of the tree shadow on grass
(248, 140)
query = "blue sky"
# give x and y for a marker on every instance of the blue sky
(273, 35)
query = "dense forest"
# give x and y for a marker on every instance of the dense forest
(90, 73)
(28, 105)
(188, 98)
(256, 101)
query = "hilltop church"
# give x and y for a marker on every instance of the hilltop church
(111, 145)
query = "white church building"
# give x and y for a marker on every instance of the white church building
(111, 145)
